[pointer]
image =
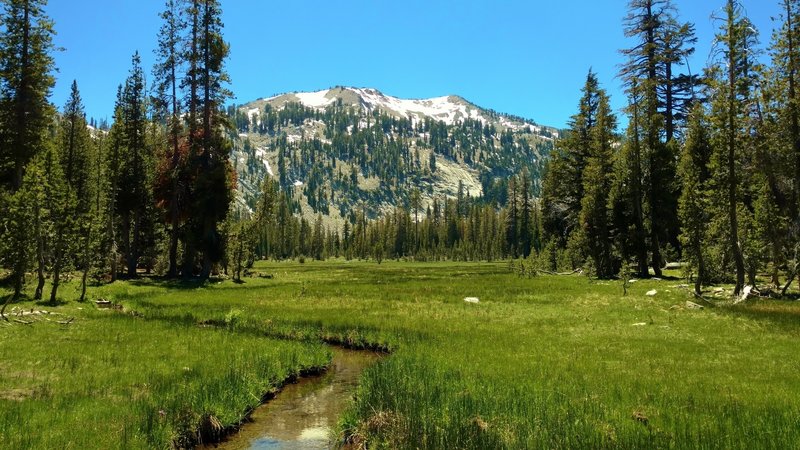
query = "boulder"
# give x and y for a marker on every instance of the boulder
(473, 300)
(693, 305)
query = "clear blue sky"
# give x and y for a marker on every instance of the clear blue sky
(523, 57)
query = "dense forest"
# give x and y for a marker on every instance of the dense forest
(335, 149)
(707, 171)
(108, 202)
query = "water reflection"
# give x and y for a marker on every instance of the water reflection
(302, 416)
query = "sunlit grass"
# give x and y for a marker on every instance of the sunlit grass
(550, 362)
(114, 381)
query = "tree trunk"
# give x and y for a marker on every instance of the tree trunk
(189, 254)
(56, 278)
(732, 181)
(39, 257)
(134, 247)
(205, 274)
(84, 278)
(701, 274)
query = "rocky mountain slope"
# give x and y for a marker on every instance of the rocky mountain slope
(340, 149)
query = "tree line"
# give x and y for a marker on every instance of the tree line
(108, 202)
(708, 170)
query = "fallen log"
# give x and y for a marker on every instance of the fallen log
(560, 274)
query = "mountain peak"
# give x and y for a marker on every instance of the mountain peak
(450, 109)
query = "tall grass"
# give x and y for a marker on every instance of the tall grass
(550, 362)
(114, 381)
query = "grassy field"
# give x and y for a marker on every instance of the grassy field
(549, 362)
(109, 380)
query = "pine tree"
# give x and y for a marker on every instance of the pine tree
(133, 196)
(694, 205)
(240, 246)
(648, 22)
(512, 221)
(318, 239)
(777, 205)
(265, 218)
(732, 100)
(525, 214)
(93, 248)
(562, 190)
(597, 179)
(26, 79)
(209, 163)
(73, 175)
(59, 217)
(172, 179)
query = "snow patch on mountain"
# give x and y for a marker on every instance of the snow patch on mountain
(447, 109)
(317, 99)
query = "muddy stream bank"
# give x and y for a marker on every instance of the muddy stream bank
(303, 414)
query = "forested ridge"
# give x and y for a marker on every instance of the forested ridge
(349, 152)
(707, 171)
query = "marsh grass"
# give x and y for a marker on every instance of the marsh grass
(109, 380)
(548, 362)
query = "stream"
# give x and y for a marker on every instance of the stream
(303, 414)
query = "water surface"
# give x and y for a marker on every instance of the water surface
(303, 414)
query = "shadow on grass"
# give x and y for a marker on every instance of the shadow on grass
(52, 304)
(780, 313)
(174, 283)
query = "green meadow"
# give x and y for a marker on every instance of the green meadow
(544, 362)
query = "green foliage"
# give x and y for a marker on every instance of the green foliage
(26, 79)
(695, 207)
(111, 381)
(492, 375)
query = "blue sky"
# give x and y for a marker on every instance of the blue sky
(523, 57)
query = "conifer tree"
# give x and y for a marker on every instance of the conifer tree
(525, 214)
(26, 79)
(133, 195)
(60, 219)
(73, 175)
(209, 163)
(645, 22)
(563, 183)
(597, 179)
(732, 100)
(694, 205)
(512, 221)
(172, 180)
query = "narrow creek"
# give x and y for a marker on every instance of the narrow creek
(303, 414)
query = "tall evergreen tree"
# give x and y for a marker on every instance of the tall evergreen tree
(74, 147)
(628, 192)
(694, 204)
(133, 195)
(732, 102)
(206, 80)
(26, 79)
(172, 180)
(563, 183)
(597, 179)
(525, 214)
(512, 220)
